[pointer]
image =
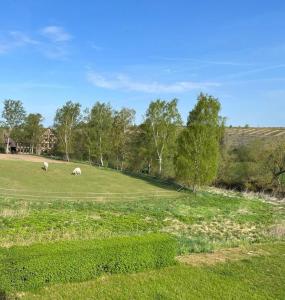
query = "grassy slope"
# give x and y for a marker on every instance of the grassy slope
(252, 278)
(30, 177)
(200, 223)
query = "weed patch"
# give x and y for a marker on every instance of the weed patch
(26, 268)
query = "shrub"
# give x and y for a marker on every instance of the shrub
(194, 245)
(31, 267)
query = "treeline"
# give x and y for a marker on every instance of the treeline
(194, 153)
(23, 128)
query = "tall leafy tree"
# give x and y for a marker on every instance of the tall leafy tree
(141, 149)
(13, 115)
(65, 122)
(162, 119)
(33, 130)
(122, 122)
(275, 163)
(196, 162)
(99, 130)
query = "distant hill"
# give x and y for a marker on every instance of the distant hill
(244, 135)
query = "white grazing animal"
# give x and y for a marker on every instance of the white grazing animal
(76, 171)
(45, 167)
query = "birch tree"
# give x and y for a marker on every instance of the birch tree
(123, 120)
(66, 119)
(100, 126)
(33, 130)
(163, 120)
(13, 115)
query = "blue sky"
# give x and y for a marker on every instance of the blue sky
(131, 52)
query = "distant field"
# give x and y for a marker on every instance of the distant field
(45, 207)
(243, 135)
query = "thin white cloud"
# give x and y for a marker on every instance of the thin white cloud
(53, 42)
(202, 61)
(15, 39)
(254, 71)
(57, 52)
(56, 34)
(124, 82)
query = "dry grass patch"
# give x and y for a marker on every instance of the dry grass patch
(220, 256)
(174, 226)
(27, 157)
(13, 213)
(278, 230)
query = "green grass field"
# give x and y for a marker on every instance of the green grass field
(45, 207)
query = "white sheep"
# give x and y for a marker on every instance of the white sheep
(45, 167)
(76, 171)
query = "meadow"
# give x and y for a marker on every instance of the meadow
(41, 211)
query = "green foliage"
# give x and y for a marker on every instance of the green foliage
(65, 121)
(194, 245)
(197, 157)
(33, 130)
(26, 268)
(255, 166)
(13, 113)
(142, 149)
(98, 131)
(122, 123)
(162, 120)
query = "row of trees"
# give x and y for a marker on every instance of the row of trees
(160, 145)
(17, 124)
(194, 154)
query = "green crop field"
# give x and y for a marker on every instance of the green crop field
(58, 231)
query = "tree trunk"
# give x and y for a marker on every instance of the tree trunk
(149, 167)
(66, 148)
(100, 149)
(7, 146)
(89, 155)
(160, 164)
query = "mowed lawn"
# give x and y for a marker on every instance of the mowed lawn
(21, 176)
(38, 207)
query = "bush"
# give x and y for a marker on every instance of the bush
(194, 245)
(31, 267)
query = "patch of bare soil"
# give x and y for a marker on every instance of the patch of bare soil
(27, 157)
(221, 256)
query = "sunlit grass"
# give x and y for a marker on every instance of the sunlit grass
(256, 277)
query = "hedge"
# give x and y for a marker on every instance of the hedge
(30, 267)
